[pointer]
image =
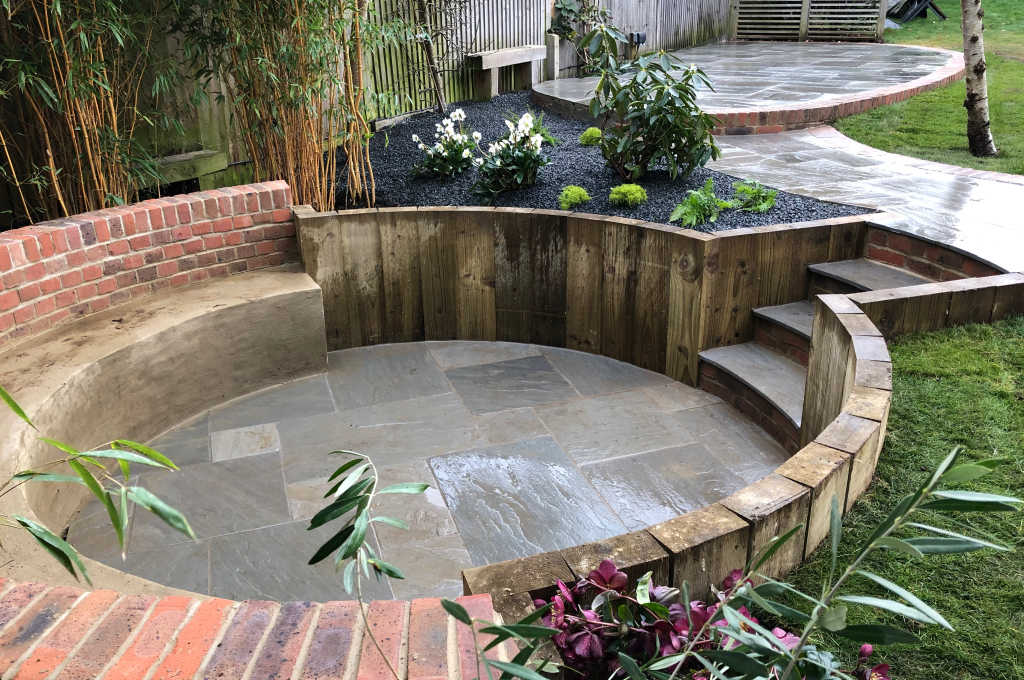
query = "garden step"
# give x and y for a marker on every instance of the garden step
(775, 378)
(794, 316)
(786, 329)
(863, 274)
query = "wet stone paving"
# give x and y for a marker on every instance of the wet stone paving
(757, 75)
(527, 449)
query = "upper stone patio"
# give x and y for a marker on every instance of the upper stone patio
(768, 87)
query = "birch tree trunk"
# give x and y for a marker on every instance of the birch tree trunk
(979, 135)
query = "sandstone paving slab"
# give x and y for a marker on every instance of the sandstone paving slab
(592, 374)
(365, 376)
(457, 353)
(271, 564)
(301, 397)
(217, 499)
(735, 443)
(652, 487)
(188, 443)
(241, 442)
(612, 425)
(530, 381)
(388, 432)
(504, 499)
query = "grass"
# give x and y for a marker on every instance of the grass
(964, 387)
(933, 125)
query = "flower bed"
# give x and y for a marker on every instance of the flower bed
(394, 153)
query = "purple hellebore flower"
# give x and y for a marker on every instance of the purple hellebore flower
(564, 590)
(608, 576)
(865, 651)
(879, 672)
(732, 579)
(786, 637)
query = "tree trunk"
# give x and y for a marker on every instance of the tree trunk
(979, 135)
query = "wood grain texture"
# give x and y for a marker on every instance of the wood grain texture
(438, 269)
(474, 263)
(685, 304)
(584, 284)
(400, 271)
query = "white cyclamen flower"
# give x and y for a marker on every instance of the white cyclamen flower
(537, 140)
(421, 146)
(466, 153)
(415, 138)
(477, 137)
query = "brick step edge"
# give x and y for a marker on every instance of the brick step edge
(69, 633)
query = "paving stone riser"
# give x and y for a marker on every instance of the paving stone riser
(56, 271)
(69, 633)
(933, 261)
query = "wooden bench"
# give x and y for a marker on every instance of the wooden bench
(486, 65)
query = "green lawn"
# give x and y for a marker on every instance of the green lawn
(933, 125)
(964, 387)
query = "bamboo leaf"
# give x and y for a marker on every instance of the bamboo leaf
(408, 487)
(899, 545)
(514, 669)
(953, 534)
(457, 611)
(877, 635)
(13, 405)
(900, 591)
(172, 517)
(60, 549)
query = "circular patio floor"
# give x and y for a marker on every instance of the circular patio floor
(527, 449)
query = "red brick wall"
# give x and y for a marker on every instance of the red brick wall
(934, 261)
(55, 271)
(784, 341)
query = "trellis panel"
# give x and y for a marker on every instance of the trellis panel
(807, 19)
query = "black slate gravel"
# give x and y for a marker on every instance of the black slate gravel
(393, 153)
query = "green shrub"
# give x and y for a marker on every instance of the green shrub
(649, 109)
(630, 195)
(700, 206)
(754, 197)
(572, 196)
(591, 136)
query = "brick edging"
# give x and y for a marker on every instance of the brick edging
(104, 635)
(56, 271)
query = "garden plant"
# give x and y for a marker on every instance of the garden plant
(604, 629)
(90, 469)
(630, 195)
(591, 136)
(572, 196)
(453, 150)
(512, 162)
(699, 207)
(538, 127)
(649, 112)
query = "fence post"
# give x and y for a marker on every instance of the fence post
(805, 10)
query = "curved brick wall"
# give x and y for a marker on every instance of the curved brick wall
(56, 271)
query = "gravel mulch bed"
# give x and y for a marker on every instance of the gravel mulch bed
(394, 153)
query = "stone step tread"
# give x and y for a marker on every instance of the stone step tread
(795, 316)
(179, 636)
(864, 274)
(765, 371)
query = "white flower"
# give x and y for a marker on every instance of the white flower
(437, 126)
(478, 162)
(421, 146)
(477, 137)
(537, 140)
(511, 127)
(430, 152)
(458, 115)
(497, 162)
(415, 138)
(466, 153)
